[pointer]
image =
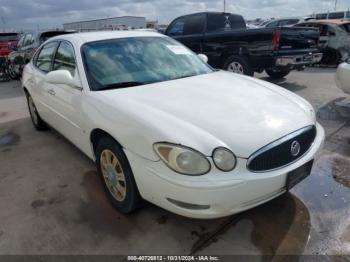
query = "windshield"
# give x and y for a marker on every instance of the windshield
(8, 38)
(133, 61)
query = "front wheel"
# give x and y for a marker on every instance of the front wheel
(12, 73)
(117, 175)
(277, 73)
(238, 65)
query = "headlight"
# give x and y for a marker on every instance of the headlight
(182, 159)
(224, 159)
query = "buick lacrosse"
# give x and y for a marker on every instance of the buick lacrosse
(164, 126)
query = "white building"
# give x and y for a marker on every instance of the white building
(110, 23)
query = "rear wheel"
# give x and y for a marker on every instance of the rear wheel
(277, 73)
(38, 123)
(117, 175)
(239, 65)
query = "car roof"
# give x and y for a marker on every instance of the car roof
(104, 35)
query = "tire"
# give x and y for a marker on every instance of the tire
(331, 57)
(277, 74)
(116, 175)
(38, 123)
(12, 74)
(239, 65)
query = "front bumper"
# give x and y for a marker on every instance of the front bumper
(217, 193)
(298, 60)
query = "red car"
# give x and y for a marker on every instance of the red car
(7, 41)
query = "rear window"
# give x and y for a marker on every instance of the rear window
(224, 22)
(8, 37)
(46, 35)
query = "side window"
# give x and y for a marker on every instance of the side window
(45, 55)
(177, 28)
(272, 24)
(194, 24)
(28, 39)
(222, 22)
(64, 58)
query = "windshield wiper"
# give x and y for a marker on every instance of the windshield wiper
(121, 85)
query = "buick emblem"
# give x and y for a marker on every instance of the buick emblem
(295, 148)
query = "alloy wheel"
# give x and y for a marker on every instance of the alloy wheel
(113, 175)
(235, 67)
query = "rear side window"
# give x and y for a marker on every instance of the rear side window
(336, 15)
(194, 24)
(224, 22)
(8, 37)
(177, 27)
(321, 16)
(45, 56)
(65, 58)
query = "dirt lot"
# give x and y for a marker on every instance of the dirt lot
(52, 201)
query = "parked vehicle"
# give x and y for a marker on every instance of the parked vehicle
(7, 42)
(334, 39)
(283, 22)
(224, 38)
(164, 126)
(333, 15)
(24, 50)
(343, 77)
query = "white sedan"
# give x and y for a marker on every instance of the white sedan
(164, 126)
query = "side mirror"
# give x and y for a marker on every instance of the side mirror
(62, 77)
(203, 57)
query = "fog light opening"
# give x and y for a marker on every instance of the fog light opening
(188, 205)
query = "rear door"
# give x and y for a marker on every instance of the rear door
(41, 66)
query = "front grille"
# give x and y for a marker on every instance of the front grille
(279, 153)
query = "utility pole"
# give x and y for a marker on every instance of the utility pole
(335, 5)
(224, 6)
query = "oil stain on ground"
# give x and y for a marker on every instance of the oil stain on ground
(8, 138)
(281, 226)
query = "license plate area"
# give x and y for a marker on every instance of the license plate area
(299, 174)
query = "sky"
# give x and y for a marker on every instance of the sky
(45, 14)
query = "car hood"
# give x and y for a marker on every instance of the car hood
(211, 110)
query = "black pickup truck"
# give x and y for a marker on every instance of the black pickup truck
(229, 45)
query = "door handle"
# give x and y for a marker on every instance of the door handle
(51, 92)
